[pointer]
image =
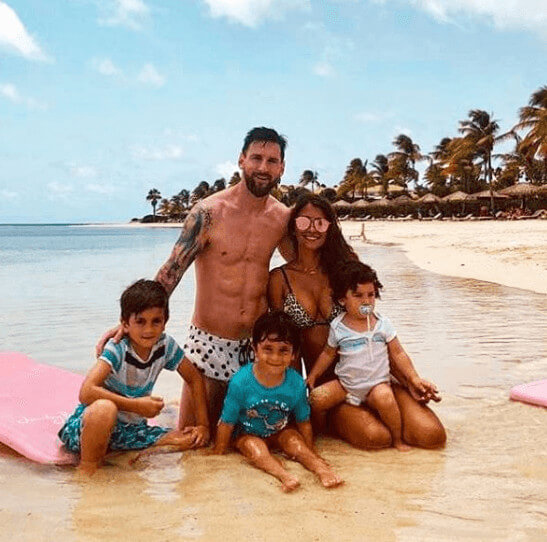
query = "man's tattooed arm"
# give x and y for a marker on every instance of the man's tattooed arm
(192, 240)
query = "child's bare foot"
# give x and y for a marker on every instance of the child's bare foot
(402, 446)
(328, 478)
(89, 468)
(289, 483)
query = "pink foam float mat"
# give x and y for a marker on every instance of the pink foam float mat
(35, 400)
(534, 393)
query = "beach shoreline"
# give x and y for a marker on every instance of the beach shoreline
(508, 252)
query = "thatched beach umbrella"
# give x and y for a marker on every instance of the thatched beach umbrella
(360, 204)
(521, 190)
(456, 197)
(402, 200)
(485, 194)
(341, 207)
(382, 202)
(341, 204)
(429, 198)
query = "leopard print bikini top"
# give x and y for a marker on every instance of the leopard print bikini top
(298, 314)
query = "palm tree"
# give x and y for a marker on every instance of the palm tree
(480, 131)
(177, 206)
(219, 184)
(164, 208)
(185, 197)
(435, 178)
(236, 177)
(352, 178)
(153, 197)
(533, 118)
(380, 172)
(403, 160)
(201, 191)
(308, 176)
(459, 164)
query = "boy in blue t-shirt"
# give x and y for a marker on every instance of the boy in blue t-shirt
(260, 399)
(116, 393)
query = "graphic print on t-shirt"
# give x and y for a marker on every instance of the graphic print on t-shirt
(266, 417)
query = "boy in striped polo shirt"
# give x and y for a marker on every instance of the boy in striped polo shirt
(115, 397)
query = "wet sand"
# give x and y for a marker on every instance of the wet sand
(489, 483)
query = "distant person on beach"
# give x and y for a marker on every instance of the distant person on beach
(303, 289)
(261, 398)
(365, 342)
(231, 237)
(116, 393)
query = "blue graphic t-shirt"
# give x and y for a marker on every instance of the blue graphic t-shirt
(258, 410)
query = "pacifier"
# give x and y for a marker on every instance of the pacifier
(365, 309)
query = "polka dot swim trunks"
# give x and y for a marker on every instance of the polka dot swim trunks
(214, 356)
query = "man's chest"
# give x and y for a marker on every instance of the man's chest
(244, 239)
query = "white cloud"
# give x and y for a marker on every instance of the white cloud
(15, 37)
(226, 169)
(402, 130)
(505, 14)
(8, 194)
(323, 69)
(253, 12)
(105, 66)
(168, 152)
(10, 92)
(82, 172)
(150, 76)
(100, 188)
(128, 13)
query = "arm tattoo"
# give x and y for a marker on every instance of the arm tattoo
(192, 239)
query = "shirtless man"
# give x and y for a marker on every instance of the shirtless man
(231, 237)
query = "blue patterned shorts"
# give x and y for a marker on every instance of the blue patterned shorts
(125, 436)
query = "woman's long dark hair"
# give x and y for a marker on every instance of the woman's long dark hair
(336, 249)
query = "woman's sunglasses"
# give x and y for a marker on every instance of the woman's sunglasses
(304, 222)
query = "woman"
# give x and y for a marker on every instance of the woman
(302, 288)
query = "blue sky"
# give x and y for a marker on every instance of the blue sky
(101, 100)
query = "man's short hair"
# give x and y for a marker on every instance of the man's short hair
(143, 295)
(264, 134)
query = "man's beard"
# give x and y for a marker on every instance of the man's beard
(259, 191)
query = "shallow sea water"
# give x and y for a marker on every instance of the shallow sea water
(59, 288)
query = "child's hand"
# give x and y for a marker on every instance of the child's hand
(149, 406)
(115, 333)
(310, 382)
(200, 435)
(423, 391)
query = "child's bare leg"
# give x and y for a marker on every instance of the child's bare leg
(382, 400)
(98, 422)
(292, 443)
(257, 452)
(215, 390)
(322, 399)
(174, 441)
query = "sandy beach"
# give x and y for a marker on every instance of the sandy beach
(489, 483)
(508, 252)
